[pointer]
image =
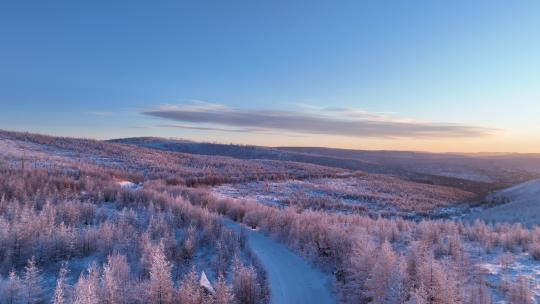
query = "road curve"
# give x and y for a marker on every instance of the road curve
(292, 279)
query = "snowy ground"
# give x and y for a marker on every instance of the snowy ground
(520, 265)
(292, 279)
(374, 194)
(129, 185)
(530, 189)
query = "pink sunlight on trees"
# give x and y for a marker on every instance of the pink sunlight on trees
(71, 231)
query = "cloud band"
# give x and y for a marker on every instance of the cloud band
(328, 122)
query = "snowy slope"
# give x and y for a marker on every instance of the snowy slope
(292, 279)
(526, 191)
(523, 205)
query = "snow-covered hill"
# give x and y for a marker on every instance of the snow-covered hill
(520, 203)
(525, 191)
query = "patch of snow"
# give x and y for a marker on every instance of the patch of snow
(521, 265)
(129, 185)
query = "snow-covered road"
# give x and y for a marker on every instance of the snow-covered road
(292, 279)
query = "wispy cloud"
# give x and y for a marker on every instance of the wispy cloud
(312, 120)
(240, 130)
(188, 127)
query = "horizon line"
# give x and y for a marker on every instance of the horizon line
(270, 146)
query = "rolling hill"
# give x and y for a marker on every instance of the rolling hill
(517, 204)
(477, 173)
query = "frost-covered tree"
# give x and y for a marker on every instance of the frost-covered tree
(61, 292)
(520, 292)
(115, 279)
(222, 260)
(419, 296)
(245, 286)
(431, 277)
(13, 290)
(506, 261)
(190, 244)
(480, 293)
(380, 275)
(160, 289)
(33, 282)
(190, 292)
(224, 294)
(397, 284)
(86, 289)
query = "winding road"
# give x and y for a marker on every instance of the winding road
(292, 279)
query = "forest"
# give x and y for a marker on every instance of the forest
(85, 221)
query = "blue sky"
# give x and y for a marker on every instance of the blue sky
(103, 69)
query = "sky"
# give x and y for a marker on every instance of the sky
(441, 76)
